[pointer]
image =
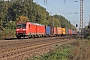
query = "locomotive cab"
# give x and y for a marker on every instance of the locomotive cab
(21, 30)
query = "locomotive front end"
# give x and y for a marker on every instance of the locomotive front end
(21, 30)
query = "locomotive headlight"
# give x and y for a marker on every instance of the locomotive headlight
(24, 29)
(17, 29)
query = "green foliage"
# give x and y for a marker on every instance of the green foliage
(10, 25)
(62, 22)
(7, 33)
(60, 53)
(88, 37)
(10, 10)
(1, 34)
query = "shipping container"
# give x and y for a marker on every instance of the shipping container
(75, 32)
(63, 31)
(53, 30)
(59, 30)
(72, 31)
(48, 30)
(67, 31)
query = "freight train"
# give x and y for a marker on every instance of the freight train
(29, 30)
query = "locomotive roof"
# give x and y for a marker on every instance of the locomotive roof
(33, 23)
(37, 24)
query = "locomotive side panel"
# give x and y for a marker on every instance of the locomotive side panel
(40, 29)
(32, 29)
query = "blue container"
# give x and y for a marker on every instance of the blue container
(47, 29)
(67, 31)
(72, 31)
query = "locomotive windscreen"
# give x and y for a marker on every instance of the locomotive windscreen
(21, 25)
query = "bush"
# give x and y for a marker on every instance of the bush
(8, 33)
(1, 34)
(88, 37)
(10, 25)
(60, 53)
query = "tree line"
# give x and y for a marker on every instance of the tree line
(26, 10)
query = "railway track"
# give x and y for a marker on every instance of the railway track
(20, 50)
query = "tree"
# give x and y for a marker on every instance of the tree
(21, 19)
(10, 25)
(28, 10)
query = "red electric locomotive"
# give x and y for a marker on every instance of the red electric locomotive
(29, 30)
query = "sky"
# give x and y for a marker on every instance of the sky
(67, 9)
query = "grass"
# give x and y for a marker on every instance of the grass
(60, 53)
(78, 50)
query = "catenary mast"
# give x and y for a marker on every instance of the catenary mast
(81, 16)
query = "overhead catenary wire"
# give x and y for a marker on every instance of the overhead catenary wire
(70, 10)
(57, 9)
(47, 3)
